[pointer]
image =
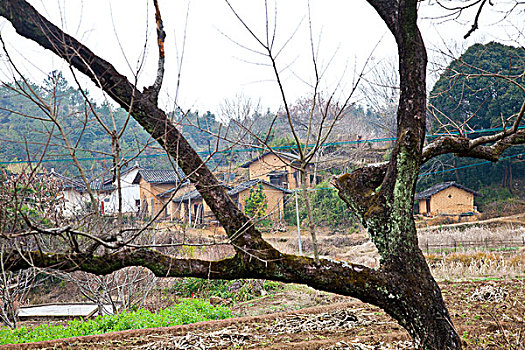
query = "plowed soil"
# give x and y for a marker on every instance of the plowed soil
(487, 315)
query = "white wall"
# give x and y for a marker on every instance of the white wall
(130, 194)
(74, 202)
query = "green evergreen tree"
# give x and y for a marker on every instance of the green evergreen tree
(256, 203)
(467, 93)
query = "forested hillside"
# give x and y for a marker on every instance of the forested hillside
(44, 122)
(470, 97)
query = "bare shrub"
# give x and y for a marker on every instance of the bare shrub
(126, 289)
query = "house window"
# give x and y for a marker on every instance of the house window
(277, 179)
(137, 203)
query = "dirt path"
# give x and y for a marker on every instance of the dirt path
(487, 314)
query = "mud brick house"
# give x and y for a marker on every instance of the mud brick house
(190, 205)
(277, 170)
(447, 198)
(187, 204)
(154, 182)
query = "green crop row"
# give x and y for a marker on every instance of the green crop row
(237, 290)
(187, 311)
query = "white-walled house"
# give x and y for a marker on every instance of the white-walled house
(138, 186)
(74, 194)
(76, 199)
(130, 193)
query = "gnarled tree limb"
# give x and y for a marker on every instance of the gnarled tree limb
(461, 146)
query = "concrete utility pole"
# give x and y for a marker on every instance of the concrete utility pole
(298, 224)
(189, 205)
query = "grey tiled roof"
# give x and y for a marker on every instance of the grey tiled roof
(249, 184)
(440, 187)
(284, 155)
(94, 184)
(160, 176)
(194, 195)
(67, 182)
(101, 185)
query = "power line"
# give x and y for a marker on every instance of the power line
(469, 165)
(439, 171)
(253, 149)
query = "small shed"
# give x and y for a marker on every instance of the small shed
(70, 310)
(447, 198)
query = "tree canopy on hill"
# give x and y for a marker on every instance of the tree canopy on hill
(72, 118)
(477, 91)
(471, 91)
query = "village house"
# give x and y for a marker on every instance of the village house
(190, 207)
(129, 192)
(277, 169)
(152, 183)
(72, 193)
(187, 205)
(139, 188)
(75, 198)
(447, 198)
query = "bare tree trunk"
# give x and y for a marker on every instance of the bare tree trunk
(311, 223)
(116, 172)
(383, 198)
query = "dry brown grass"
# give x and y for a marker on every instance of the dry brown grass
(464, 263)
(473, 265)
(473, 237)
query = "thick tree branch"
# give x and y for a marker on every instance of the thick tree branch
(160, 264)
(388, 13)
(367, 284)
(462, 146)
(359, 189)
(476, 148)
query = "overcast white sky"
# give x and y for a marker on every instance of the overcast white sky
(218, 63)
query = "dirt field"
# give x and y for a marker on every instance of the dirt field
(488, 315)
